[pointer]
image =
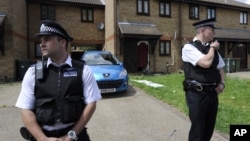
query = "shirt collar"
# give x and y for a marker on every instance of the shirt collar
(195, 39)
(205, 44)
(67, 62)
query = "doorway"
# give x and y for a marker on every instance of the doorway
(240, 51)
(142, 56)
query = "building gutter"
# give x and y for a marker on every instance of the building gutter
(221, 4)
(27, 23)
(180, 30)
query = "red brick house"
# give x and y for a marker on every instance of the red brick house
(165, 26)
(147, 35)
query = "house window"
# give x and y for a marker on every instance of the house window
(193, 11)
(164, 7)
(48, 12)
(211, 12)
(243, 18)
(143, 7)
(87, 15)
(165, 48)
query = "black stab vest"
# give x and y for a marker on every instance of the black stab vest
(204, 75)
(59, 95)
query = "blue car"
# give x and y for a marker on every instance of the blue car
(109, 72)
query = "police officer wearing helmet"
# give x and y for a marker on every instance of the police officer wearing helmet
(58, 97)
(204, 80)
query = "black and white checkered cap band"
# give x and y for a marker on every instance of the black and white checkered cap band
(44, 29)
(205, 24)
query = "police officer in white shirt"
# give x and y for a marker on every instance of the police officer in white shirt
(204, 80)
(58, 96)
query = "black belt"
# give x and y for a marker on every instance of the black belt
(197, 86)
(57, 133)
(82, 136)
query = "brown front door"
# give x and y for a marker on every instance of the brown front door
(142, 57)
(240, 51)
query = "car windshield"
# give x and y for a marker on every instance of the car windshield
(100, 59)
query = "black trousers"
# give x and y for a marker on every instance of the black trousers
(203, 107)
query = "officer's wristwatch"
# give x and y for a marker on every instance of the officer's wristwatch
(72, 135)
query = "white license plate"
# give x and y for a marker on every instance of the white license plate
(108, 90)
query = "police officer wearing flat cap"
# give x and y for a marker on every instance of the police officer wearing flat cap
(58, 96)
(204, 80)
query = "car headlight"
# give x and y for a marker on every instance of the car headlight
(123, 73)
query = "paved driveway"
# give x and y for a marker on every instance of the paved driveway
(10, 116)
(133, 116)
(241, 75)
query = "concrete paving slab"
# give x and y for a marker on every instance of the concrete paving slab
(130, 117)
(240, 75)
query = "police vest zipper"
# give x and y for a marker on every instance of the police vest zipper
(58, 94)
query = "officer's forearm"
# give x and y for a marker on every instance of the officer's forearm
(206, 61)
(85, 117)
(31, 124)
(222, 73)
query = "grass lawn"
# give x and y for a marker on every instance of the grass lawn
(234, 102)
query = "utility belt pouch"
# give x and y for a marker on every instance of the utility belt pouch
(192, 85)
(185, 85)
(45, 111)
(26, 134)
(72, 108)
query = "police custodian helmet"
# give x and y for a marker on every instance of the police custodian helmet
(49, 27)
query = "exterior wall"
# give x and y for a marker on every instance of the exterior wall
(226, 18)
(18, 17)
(14, 38)
(82, 32)
(169, 27)
(178, 28)
(110, 27)
(19, 28)
(4, 60)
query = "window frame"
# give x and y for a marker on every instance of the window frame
(210, 12)
(48, 14)
(243, 17)
(165, 14)
(88, 9)
(143, 4)
(166, 49)
(192, 12)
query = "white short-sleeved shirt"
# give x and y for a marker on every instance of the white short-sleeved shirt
(192, 55)
(26, 99)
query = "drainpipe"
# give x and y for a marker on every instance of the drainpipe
(177, 38)
(28, 37)
(180, 31)
(115, 28)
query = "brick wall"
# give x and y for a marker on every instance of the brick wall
(179, 24)
(14, 37)
(110, 27)
(18, 48)
(82, 32)
(167, 26)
